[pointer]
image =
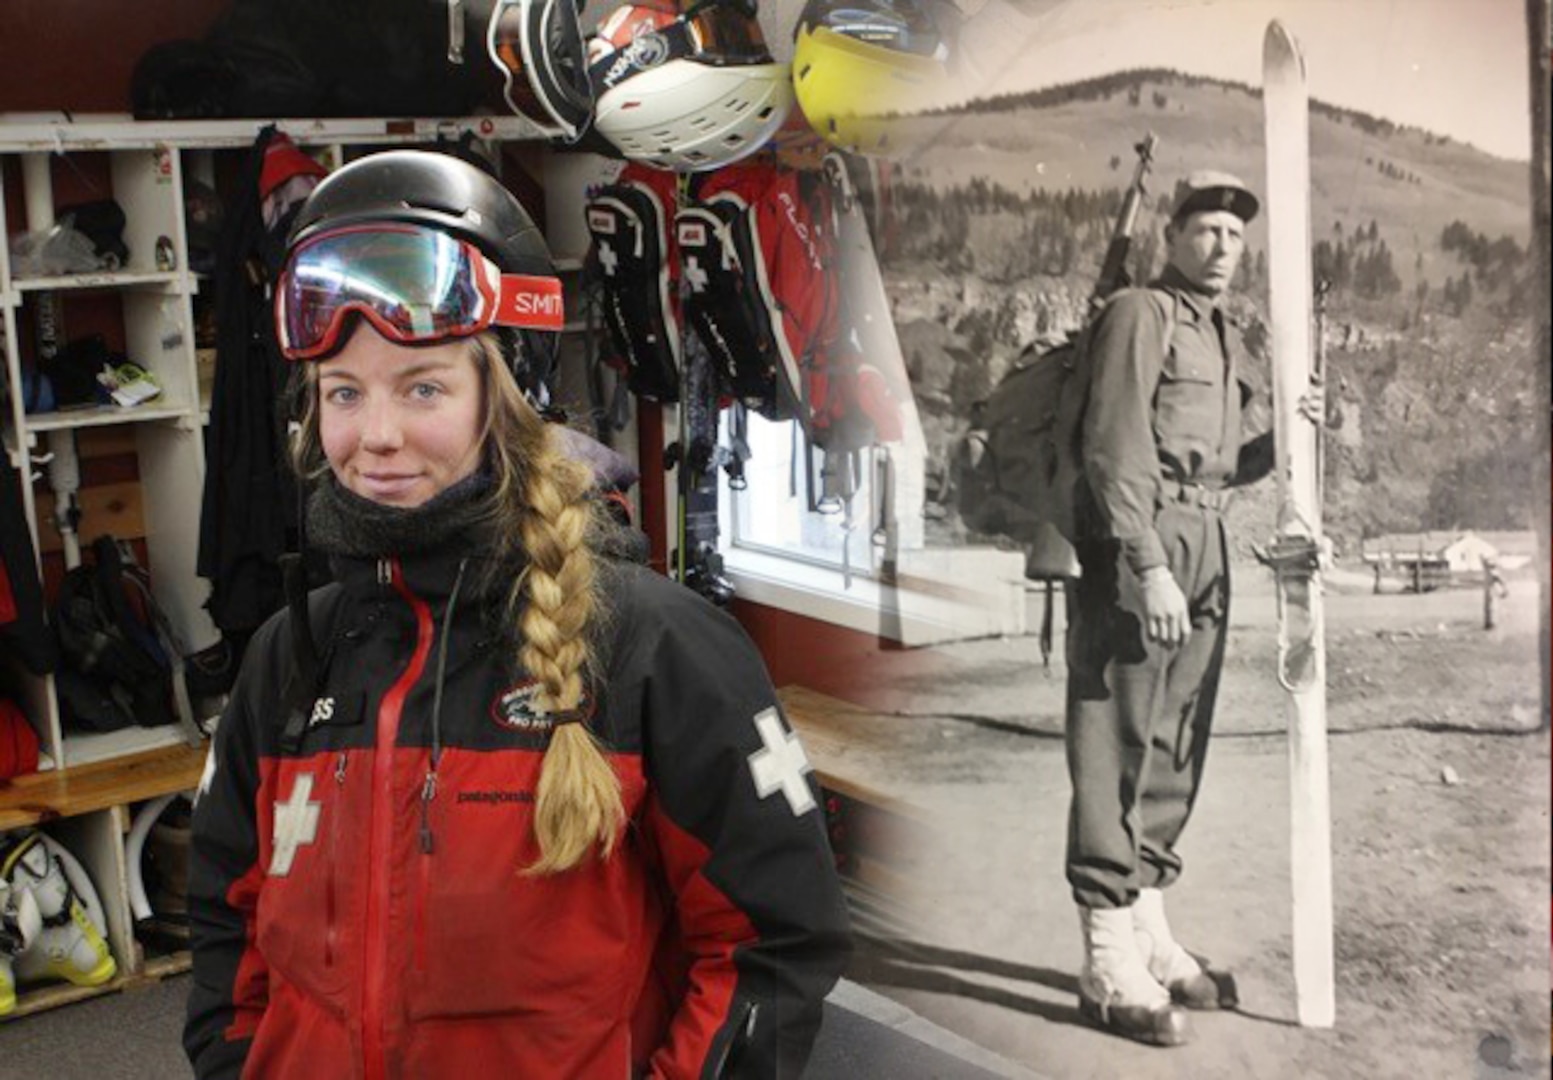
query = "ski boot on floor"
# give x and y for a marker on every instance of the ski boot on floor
(1116, 991)
(20, 924)
(1189, 982)
(69, 946)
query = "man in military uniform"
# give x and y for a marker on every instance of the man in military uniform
(1162, 445)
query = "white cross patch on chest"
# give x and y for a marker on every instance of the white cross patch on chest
(781, 764)
(608, 259)
(296, 823)
(695, 274)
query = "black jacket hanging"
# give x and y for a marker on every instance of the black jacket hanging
(249, 500)
(22, 628)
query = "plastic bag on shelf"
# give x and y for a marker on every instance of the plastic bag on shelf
(53, 252)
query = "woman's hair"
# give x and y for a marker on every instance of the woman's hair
(544, 519)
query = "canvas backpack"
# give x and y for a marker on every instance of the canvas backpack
(757, 250)
(635, 255)
(1020, 465)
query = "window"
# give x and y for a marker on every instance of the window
(772, 513)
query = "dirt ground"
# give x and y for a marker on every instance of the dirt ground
(1440, 837)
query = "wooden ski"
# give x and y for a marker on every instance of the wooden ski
(1294, 552)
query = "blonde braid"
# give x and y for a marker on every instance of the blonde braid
(578, 800)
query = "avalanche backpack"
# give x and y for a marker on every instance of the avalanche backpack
(635, 256)
(758, 252)
(1020, 464)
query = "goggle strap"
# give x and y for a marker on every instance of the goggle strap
(530, 302)
(613, 68)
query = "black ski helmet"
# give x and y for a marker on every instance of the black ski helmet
(449, 194)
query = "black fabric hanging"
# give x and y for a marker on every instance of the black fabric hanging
(250, 498)
(23, 630)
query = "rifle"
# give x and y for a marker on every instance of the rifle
(1113, 269)
(1051, 556)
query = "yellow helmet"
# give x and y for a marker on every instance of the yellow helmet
(861, 69)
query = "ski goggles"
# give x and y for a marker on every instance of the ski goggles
(717, 33)
(414, 284)
(538, 47)
(902, 26)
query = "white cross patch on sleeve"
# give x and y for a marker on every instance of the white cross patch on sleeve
(780, 765)
(296, 823)
(608, 259)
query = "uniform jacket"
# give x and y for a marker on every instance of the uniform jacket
(353, 918)
(1157, 413)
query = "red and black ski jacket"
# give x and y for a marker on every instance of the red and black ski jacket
(353, 918)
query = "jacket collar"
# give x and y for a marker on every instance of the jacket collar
(428, 575)
(1198, 303)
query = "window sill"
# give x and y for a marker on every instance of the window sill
(939, 596)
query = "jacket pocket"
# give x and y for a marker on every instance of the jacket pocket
(302, 906)
(1189, 410)
(494, 940)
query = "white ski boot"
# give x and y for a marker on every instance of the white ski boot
(1177, 970)
(1116, 991)
(69, 946)
(20, 924)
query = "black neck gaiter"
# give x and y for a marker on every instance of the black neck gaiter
(456, 519)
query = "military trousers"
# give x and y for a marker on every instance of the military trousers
(1139, 713)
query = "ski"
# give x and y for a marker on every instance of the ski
(1294, 551)
(696, 456)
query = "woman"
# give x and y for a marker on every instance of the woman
(497, 805)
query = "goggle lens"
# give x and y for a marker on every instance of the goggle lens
(723, 32)
(412, 284)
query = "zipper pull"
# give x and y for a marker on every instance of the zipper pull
(339, 769)
(385, 572)
(428, 793)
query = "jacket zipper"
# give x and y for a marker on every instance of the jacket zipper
(423, 861)
(331, 935)
(374, 988)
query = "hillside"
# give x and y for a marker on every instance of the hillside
(998, 226)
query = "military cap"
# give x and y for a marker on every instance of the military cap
(1207, 189)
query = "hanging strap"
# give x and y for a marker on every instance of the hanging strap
(303, 687)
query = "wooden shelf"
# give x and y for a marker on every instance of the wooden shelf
(105, 279)
(834, 733)
(62, 793)
(104, 415)
(59, 133)
(34, 999)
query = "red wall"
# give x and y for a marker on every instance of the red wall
(848, 664)
(78, 55)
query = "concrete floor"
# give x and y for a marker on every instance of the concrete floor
(972, 742)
